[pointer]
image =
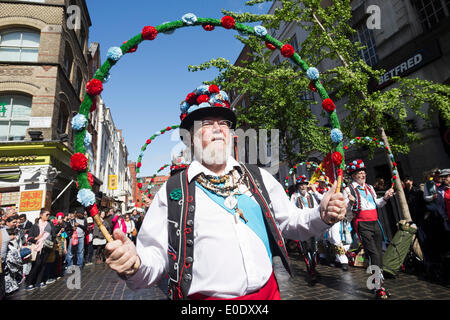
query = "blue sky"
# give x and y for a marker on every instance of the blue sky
(146, 87)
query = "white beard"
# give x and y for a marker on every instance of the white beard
(215, 153)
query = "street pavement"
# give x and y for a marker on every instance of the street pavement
(98, 282)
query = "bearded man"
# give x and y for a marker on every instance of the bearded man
(214, 227)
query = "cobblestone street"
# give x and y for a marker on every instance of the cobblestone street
(100, 283)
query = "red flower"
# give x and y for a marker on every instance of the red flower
(78, 162)
(359, 161)
(139, 185)
(312, 87)
(132, 49)
(94, 87)
(149, 141)
(336, 157)
(208, 27)
(228, 22)
(270, 46)
(149, 33)
(168, 128)
(227, 104)
(328, 105)
(202, 98)
(191, 98)
(287, 50)
(345, 147)
(394, 177)
(139, 165)
(90, 178)
(161, 169)
(358, 138)
(213, 89)
(394, 164)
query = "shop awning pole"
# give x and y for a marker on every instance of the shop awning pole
(59, 195)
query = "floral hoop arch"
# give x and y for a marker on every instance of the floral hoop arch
(94, 88)
(374, 142)
(307, 164)
(144, 147)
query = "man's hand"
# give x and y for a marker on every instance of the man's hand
(389, 194)
(333, 206)
(121, 254)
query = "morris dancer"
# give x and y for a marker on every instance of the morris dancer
(214, 227)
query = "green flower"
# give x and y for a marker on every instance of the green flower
(175, 194)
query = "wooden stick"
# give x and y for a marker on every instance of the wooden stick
(339, 183)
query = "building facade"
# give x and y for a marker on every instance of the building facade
(43, 71)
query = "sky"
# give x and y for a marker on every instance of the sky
(146, 87)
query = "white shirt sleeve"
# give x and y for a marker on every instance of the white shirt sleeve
(151, 244)
(294, 223)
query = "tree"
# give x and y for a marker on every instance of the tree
(370, 113)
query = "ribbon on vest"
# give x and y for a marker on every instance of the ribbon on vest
(252, 212)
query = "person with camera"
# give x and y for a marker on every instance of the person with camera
(43, 234)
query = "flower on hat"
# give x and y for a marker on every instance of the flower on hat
(114, 53)
(270, 46)
(228, 22)
(94, 87)
(86, 197)
(312, 74)
(260, 31)
(224, 95)
(184, 107)
(203, 89)
(336, 135)
(208, 27)
(189, 18)
(78, 162)
(79, 122)
(287, 50)
(328, 105)
(213, 89)
(149, 33)
(191, 98)
(202, 98)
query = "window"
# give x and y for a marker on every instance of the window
(431, 12)
(78, 82)
(68, 60)
(15, 113)
(369, 53)
(82, 39)
(62, 118)
(19, 45)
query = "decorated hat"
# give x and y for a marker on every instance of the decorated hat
(205, 101)
(59, 214)
(355, 166)
(302, 179)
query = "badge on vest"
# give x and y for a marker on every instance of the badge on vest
(175, 194)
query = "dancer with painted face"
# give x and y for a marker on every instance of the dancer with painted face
(363, 204)
(215, 226)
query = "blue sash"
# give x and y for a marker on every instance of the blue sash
(252, 212)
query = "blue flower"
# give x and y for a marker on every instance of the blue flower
(189, 18)
(87, 139)
(193, 108)
(367, 138)
(224, 95)
(352, 141)
(204, 105)
(381, 143)
(79, 122)
(312, 74)
(184, 106)
(260, 31)
(114, 53)
(353, 167)
(203, 89)
(86, 197)
(394, 172)
(336, 135)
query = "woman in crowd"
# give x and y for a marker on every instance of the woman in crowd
(131, 228)
(42, 234)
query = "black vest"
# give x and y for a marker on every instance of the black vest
(181, 213)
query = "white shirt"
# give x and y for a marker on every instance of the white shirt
(366, 203)
(230, 260)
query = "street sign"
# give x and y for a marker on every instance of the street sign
(113, 182)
